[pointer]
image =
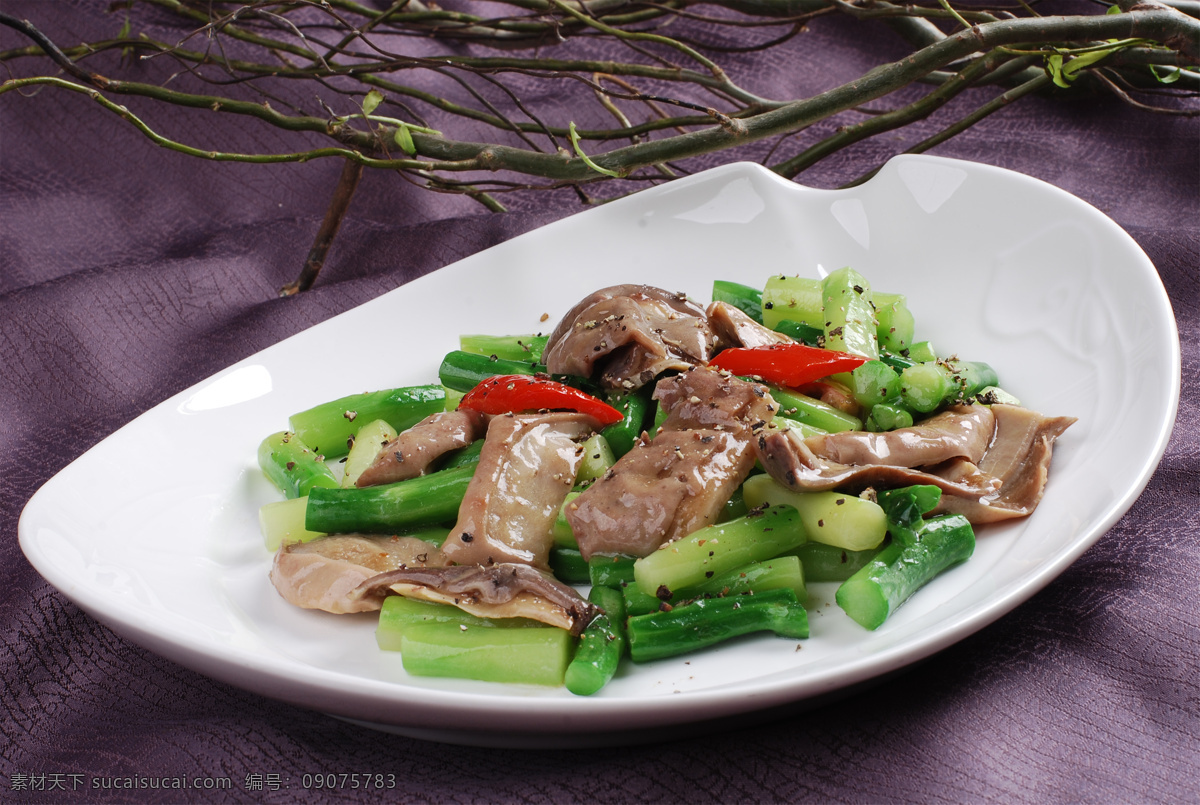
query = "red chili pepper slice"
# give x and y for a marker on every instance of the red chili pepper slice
(505, 394)
(788, 365)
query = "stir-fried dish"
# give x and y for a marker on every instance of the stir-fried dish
(693, 468)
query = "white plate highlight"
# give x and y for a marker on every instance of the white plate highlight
(997, 267)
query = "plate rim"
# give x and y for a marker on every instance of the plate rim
(531, 713)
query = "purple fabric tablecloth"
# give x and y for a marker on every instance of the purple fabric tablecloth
(128, 273)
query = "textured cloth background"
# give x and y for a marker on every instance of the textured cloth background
(128, 273)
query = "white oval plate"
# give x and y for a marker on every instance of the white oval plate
(154, 531)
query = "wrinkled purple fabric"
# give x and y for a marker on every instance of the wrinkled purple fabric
(128, 273)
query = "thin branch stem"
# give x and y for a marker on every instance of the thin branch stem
(342, 194)
(896, 119)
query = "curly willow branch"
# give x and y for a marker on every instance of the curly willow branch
(462, 110)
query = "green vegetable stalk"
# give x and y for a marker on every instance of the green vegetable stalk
(369, 440)
(709, 621)
(875, 383)
(568, 565)
(330, 427)
(813, 412)
(849, 314)
(876, 591)
(463, 371)
(398, 614)
(800, 300)
(532, 656)
(689, 561)
(927, 387)
(888, 417)
(795, 299)
(635, 407)
(282, 521)
(443, 641)
(835, 518)
(601, 646)
(608, 570)
(743, 297)
(804, 333)
(389, 508)
(597, 459)
(823, 562)
(782, 572)
(509, 347)
(292, 466)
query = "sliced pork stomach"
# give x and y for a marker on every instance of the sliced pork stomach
(323, 574)
(495, 591)
(787, 457)
(706, 398)
(412, 452)
(962, 431)
(1019, 457)
(858, 459)
(629, 334)
(525, 471)
(1003, 481)
(734, 328)
(677, 482)
(659, 491)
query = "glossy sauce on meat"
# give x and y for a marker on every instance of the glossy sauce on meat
(526, 469)
(677, 482)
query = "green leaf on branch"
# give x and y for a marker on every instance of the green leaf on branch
(371, 101)
(1063, 71)
(1054, 66)
(404, 139)
(574, 137)
(1165, 74)
(126, 29)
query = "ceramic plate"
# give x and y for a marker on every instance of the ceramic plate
(997, 267)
